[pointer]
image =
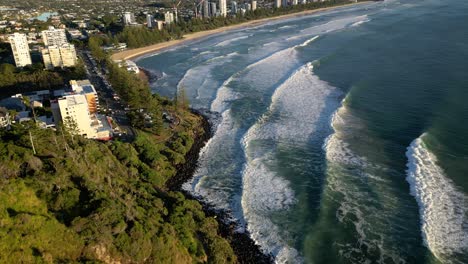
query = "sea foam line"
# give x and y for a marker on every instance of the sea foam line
(442, 207)
(264, 190)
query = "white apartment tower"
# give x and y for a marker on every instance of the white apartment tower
(254, 5)
(128, 18)
(168, 17)
(159, 24)
(54, 37)
(278, 3)
(213, 9)
(59, 56)
(222, 8)
(20, 48)
(79, 110)
(206, 9)
(68, 55)
(72, 111)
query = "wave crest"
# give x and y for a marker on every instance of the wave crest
(443, 208)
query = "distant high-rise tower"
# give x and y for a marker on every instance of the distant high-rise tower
(149, 21)
(59, 56)
(159, 23)
(278, 3)
(294, 2)
(206, 9)
(168, 17)
(234, 7)
(222, 8)
(128, 18)
(304, 2)
(54, 37)
(213, 9)
(254, 5)
(285, 3)
(20, 48)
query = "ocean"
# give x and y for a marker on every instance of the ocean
(342, 136)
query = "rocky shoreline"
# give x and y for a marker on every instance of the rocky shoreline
(244, 247)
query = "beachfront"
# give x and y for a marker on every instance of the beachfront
(133, 53)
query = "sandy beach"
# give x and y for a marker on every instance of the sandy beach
(133, 53)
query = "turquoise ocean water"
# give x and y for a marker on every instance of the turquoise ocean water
(343, 135)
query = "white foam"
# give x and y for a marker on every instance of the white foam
(222, 57)
(307, 42)
(224, 96)
(303, 103)
(198, 81)
(287, 26)
(217, 192)
(351, 180)
(355, 24)
(333, 25)
(232, 40)
(443, 208)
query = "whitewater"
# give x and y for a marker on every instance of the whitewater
(317, 151)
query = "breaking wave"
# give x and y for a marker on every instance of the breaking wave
(230, 41)
(351, 183)
(307, 42)
(442, 207)
(299, 107)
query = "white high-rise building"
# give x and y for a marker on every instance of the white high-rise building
(168, 17)
(20, 48)
(206, 9)
(278, 3)
(304, 2)
(54, 37)
(128, 18)
(222, 8)
(294, 2)
(78, 111)
(254, 5)
(248, 7)
(150, 21)
(72, 111)
(59, 56)
(160, 24)
(68, 55)
(213, 9)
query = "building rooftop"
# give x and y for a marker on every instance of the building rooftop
(75, 99)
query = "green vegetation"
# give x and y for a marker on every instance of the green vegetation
(79, 200)
(34, 77)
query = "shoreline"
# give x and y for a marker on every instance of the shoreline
(244, 247)
(138, 52)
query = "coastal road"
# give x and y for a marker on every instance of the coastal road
(109, 101)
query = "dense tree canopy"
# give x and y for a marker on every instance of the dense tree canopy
(81, 200)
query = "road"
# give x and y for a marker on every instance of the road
(110, 103)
